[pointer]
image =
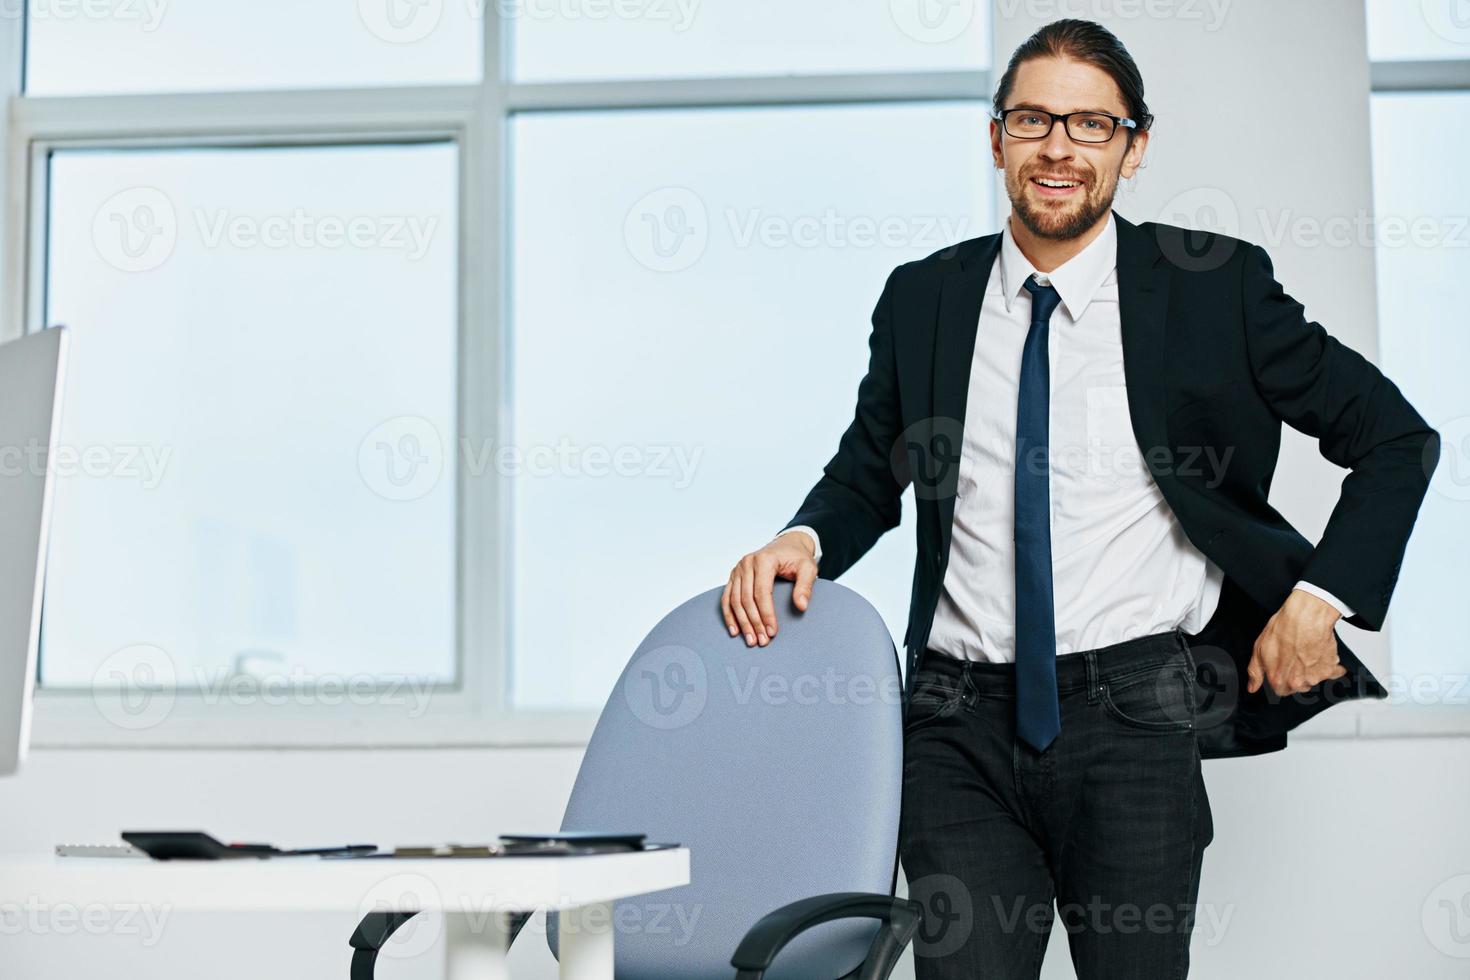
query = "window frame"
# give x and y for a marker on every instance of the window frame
(1379, 719)
(476, 711)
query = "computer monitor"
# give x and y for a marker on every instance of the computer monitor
(30, 401)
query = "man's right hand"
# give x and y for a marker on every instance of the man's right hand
(747, 601)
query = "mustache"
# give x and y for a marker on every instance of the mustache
(1080, 178)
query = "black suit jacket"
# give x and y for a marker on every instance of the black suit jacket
(1216, 357)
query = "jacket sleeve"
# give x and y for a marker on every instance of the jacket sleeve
(1361, 422)
(858, 497)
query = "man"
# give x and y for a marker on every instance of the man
(1090, 413)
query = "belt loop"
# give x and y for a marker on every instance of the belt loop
(1192, 667)
(1094, 687)
(967, 686)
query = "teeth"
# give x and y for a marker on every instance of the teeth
(1056, 183)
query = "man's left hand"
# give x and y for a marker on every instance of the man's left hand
(1298, 649)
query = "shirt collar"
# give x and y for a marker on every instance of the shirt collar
(1077, 279)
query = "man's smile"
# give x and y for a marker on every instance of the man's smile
(1055, 186)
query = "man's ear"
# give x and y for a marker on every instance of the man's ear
(995, 155)
(1133, 157)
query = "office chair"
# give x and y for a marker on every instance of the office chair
(780, 767)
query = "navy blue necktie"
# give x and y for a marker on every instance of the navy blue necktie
(1038, 716)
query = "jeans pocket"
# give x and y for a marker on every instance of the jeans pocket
(936, 696)
(1160, 700)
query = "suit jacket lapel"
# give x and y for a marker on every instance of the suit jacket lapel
(1143, 300)
(960, 297)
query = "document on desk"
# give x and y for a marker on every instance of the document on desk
(99, 851)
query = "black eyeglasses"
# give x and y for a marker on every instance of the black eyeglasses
(1084, 127)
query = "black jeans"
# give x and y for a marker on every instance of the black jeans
(1110, 822)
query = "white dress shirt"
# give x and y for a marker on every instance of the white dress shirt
(1122, 566)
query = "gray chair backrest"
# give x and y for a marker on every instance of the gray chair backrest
(780, 767)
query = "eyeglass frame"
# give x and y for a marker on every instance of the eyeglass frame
(1123, 121)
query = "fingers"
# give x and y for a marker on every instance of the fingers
(1305, 680)
(1285, 676)
(748, 602)
(806, 575)
(725, 610)
(1275, 664)
(1291, 676)
(1264, 669)
(1310, 663)
(749, 573)
(737, 608)
(765, 578)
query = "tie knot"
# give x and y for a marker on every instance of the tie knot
(1044, 300)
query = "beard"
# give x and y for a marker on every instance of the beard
(1060, 221)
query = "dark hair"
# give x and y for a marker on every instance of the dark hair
(1089, 42)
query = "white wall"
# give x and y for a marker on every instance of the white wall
(1326, 857)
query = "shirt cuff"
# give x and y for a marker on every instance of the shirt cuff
(816, 541)
(1327, 597)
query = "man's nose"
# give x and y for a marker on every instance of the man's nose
(1057, 145)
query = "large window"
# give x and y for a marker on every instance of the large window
(1421, 129)
(227, 525)
(699, 315)
(424, 354)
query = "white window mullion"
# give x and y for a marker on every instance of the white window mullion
(162, 120)
(484, 513)
(937, 86)
(13, 169)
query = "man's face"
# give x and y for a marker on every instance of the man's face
(1061, 85)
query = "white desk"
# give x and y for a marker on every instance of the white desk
(474, 894)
